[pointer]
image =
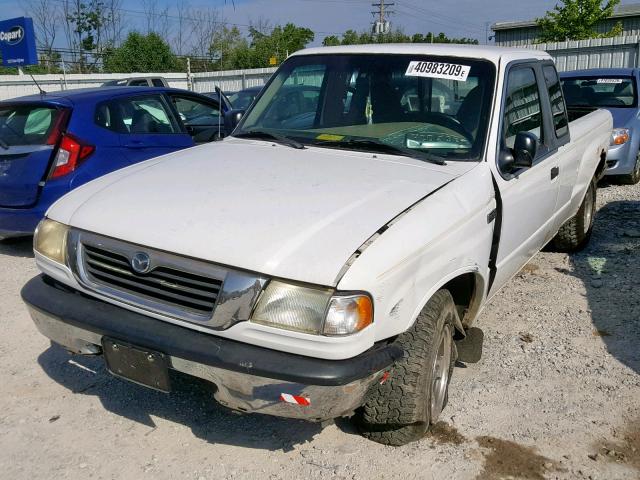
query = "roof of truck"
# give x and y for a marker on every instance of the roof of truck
(494, 54)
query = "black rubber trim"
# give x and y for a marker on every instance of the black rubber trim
(75, 308)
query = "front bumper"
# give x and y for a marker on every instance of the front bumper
(247, 377)
(621, 159)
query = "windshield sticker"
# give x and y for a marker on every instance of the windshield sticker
(448, 71)
(329, 137)
(609, 80)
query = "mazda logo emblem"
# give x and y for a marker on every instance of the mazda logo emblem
(141, 263)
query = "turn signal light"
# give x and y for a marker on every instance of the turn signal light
(620, 136)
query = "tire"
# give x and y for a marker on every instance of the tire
(574, 235)
(632, 178)
(402, 409)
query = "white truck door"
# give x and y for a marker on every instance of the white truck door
(528, 195)
(568, 156)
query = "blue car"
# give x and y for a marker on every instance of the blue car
(616, 90)
(55, 142)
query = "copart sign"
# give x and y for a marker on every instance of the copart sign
(18, 42)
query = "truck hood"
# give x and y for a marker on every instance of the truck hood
(296, 214)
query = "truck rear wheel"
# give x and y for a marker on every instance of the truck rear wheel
(401, 409)
(576, 232)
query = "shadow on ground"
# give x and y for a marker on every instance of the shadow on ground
(17, 247)
(191, 403)
(610, 270)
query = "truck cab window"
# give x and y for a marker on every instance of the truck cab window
(558, 110)
(522, 107)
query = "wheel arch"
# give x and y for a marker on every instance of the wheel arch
(467, 288)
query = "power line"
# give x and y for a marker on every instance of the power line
(382, 25)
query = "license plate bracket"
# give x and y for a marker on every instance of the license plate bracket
(136, 364)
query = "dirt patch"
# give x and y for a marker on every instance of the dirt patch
(601, 333)
(530, 268)
(507, 459)
(626, 451)
(442, 432)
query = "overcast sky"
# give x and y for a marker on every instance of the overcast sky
(458, 18)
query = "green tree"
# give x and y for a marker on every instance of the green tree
(230, 45)
(351, 37)
(577, 20)
(260, 47)
(87, 22)
(331, 41)
(282, 41)
(141, 53)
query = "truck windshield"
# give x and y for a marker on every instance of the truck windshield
(612, 92)
(426, 104)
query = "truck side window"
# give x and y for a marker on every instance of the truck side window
(560, 121)
(522, 109)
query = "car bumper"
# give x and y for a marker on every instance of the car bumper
(621, 159)
(248, 378)
(19, 222)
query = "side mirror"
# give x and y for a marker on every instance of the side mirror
(521, 155)
(524, 149)
(231, 119)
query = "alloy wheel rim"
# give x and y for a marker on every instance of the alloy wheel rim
(440, 372)
(588, 211)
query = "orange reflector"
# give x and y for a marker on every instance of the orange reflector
(365, 312)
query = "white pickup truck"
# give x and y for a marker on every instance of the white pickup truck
(325, 259)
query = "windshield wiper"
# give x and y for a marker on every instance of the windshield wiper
(290, 142)
(4, 144)
(373, 145)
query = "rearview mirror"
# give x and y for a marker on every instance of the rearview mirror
(231, 120)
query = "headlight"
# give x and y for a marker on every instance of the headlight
(50, 240)
(620, 136)
(312, 310)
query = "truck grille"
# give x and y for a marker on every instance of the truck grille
(163, 285)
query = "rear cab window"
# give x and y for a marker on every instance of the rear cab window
(27, 124)
(558, 110)
(135, 115)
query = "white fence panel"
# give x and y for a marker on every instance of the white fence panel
(12, 86)
(231, 80)
(616, 52)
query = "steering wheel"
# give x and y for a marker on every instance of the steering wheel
(449, 122)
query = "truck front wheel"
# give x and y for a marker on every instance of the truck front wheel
(576, 232)
(401, 409)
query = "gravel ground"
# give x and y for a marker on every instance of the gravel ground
(556, 394)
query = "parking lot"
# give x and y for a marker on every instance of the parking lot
(554, 396)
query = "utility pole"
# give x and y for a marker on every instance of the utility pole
(381, 25)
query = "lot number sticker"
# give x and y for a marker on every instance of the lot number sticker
(609, 80)
(449, 71)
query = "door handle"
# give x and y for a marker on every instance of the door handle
(135, 144)
(555, 171)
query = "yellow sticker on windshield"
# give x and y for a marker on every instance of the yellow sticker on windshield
(330, 137)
